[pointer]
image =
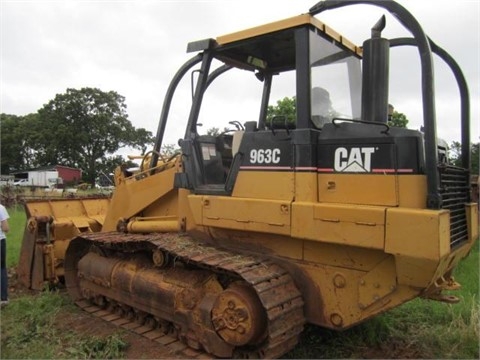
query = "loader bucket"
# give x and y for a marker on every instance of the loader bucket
(51, 224)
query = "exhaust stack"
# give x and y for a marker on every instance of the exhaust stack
(376, 52)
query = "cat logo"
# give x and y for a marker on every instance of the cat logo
(353, 160)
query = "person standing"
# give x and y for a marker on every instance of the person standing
(4, 228)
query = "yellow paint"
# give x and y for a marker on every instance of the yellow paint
(244, 214)
(264, 243)
(153, 224)
(366, 189)
(418, 233)
(418, 239)
(304, 19)
(346, 257)
(412, 191)
(377, 283)
(353, 225)
(275, 185)
(306, 187)
(133, 195)
(472, 221)
(64, 208)
(334, 301)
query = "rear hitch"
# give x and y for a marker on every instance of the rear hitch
(435, 291)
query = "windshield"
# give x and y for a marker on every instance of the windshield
(336, 82)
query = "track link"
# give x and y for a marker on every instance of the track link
(281, 300)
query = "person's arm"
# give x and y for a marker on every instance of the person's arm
(5, 226)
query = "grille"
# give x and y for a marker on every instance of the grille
(455, 190)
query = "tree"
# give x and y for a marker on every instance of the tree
(11, 142)
(285, 107)
(397, 119)
(80, 128)
(456, 156)
(16, 150)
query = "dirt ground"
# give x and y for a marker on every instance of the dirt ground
(83, 323)
(139, 347)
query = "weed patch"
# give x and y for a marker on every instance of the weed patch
(111, 347)
(28, 332)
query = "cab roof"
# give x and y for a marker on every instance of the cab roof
(270, 45)
(289, 23)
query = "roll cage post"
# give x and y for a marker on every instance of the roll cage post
(166, 106)
(462, 87)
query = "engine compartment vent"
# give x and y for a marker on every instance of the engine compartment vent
(455, 191)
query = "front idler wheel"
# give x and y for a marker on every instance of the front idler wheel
(238, 316)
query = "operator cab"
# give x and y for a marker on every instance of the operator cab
(298, 57)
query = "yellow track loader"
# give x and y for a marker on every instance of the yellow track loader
(329, 218)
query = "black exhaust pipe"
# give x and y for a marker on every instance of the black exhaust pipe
(375, 75)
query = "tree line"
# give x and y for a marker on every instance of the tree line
(85, 128)
(80, 128)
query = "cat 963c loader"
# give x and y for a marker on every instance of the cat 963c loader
(329, 218)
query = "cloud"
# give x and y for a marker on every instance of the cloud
(135, 48)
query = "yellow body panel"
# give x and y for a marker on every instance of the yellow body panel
(338, 295)
(418, 233)
(420, 241)
(279, 246)
(306, 187)
(358, 189)
(265, 185)
(472, 220)
(411, 191)
(133, 195)
(345, 257)
(353, 225)
(244, 214)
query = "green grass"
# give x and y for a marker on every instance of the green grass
(17, 222)
(28, 332)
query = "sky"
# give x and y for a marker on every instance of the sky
(135, 48)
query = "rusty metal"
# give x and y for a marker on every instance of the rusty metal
(201, 287)
(159, 258)
(50, 226)
(238, 316)
(36, 263)
(446, 282)
(449, 299)
(142, 326)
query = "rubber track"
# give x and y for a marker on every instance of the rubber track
(275, 288)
